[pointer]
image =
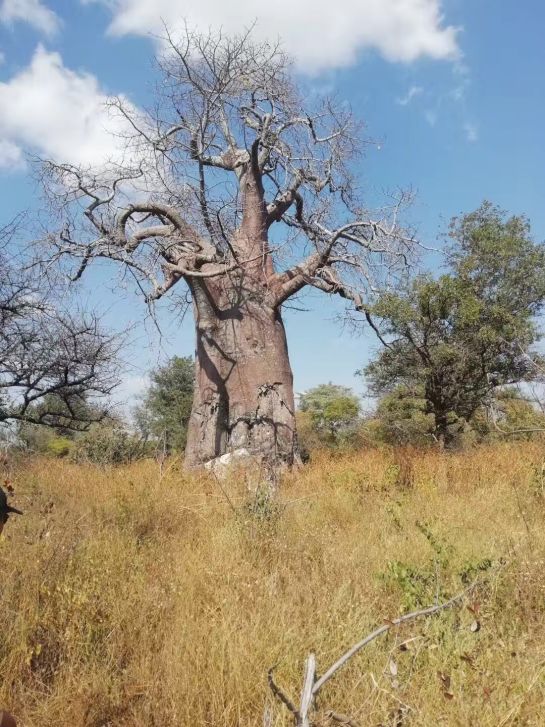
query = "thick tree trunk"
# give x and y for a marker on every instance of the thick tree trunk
(442, 432)
(244, 384)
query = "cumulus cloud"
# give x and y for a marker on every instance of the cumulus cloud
(57, 113)
(33, 12)
(319, 34)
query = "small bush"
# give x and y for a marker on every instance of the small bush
(35, 438)
(59, 446)
(109, 445)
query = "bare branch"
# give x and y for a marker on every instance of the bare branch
(229, 150)
(275, 689)
(430, 611)
(312, 686)
(52, 363)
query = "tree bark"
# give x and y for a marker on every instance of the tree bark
(442, 433)
(244, 383)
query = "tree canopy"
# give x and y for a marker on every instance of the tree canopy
(331, 406)
(454, 340)
(166, 407)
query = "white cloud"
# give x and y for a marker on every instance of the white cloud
(471, 131)
(319, 34)
(411, 93)
(11, 155)
(33, 12)
(57, 113)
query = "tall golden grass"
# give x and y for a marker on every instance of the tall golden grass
(143, 596)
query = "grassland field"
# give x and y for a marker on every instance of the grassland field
(143, 596)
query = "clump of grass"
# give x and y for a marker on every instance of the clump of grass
(137, 597)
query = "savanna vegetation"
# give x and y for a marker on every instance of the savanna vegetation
(178, 566)
(141, 595)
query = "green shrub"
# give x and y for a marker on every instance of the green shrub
(109, 445)
(59, 446)
(328, 417)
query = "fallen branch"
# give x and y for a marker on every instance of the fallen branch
(311, 685)
(430, 611)
(286, 701)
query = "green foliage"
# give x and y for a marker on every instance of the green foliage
(513, 415)
(331, 404)
(416, 584)
(44, 440)
(166, 407)
(423, 584)
(67, 415)
(108, 444)
(63, 425)
(454, 340)
(471, 569)
(34, 437)
(329, 416)
(60, 446)
(401, 418)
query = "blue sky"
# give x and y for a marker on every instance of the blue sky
(452, 92)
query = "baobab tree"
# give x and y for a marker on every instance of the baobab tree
(239, 187)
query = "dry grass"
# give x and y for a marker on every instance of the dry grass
(133, 599)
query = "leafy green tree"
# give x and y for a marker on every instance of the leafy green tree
(166, 407)
(401, 418)
(512, 415)
(459, 338)
(331, 406)
(331, 413)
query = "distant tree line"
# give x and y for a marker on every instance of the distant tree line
(159, 423)
(458, 351)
